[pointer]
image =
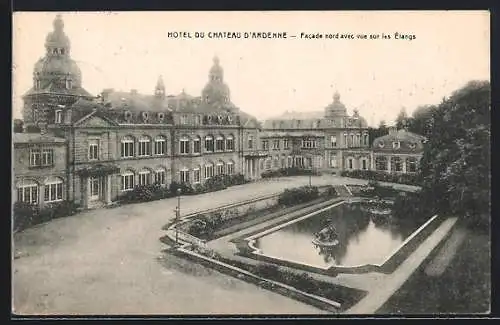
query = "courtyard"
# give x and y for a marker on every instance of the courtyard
(111, 261)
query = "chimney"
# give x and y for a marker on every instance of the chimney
(105, 94)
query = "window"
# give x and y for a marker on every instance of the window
(27, 192)
(47, 157)
(333, 160)
(349, 163)
(160, 176)
(219, 143)
(58, 116)
(352, 139)
(160, 146)
(197, 145)
(381, 163)
(184, 175)
(184, 146)
(309, 144)
(333, 141)
(396, 164)
(196, 175)
(209, 144)
(69, 83)
(363, 164)
(396, 145)
(411, 165)
(265, 144)
(268, 163)
(53, 190)
(276, 144)
(127, 181)
(183, 119)
(286, 144)
(381, 144)
(197, 119)
(345, 140)
(144, 146)
(209, 171)
(127, 147)
(230, 168)
(93, 149)
(230, 143)
(35, 157)
(289, 161)
(358, 139)
(220, 168)
(37, 83)
(144, 177)
(250, 142)
(276, 161)
(366, 138)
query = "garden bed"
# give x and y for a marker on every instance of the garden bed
(300, 286)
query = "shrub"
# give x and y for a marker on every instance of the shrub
(217, 183)
(330, 191)
(289, 171)
(375, 175)
(298, 195)
(24, 215)
(270, 271)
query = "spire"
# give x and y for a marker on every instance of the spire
(160, 88)
(58, 24)
(216, 72)
(336, 96)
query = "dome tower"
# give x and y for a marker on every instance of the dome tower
(216, 91)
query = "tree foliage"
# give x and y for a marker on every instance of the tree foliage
(455, 167)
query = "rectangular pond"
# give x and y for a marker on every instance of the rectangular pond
(362, 237)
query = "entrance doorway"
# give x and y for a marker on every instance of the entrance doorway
(95, 189)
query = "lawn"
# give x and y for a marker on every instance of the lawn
(464, 287)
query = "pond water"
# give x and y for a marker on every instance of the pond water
(363, 238)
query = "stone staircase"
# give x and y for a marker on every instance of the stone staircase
(342, 191)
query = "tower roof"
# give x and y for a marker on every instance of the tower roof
(57, 38)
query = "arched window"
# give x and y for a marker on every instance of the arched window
(220, 168)
(53, 189)
(27, 191)
(160, 176)
(219, 143)
(184, 145)
(128, 180)
(209, 170)
(127, 147)
(396, 164)
(197, 175)
(250, 142)
(358, 139)
(346, 144)
(197, 145)
(363, 164)
(366, 139)
(230, 167)
(381, 163)
(230, 143)
(144, 146)
(411, 165)
(209, 143)
(145, 177)
(160, 145)
(268, 163)
(184, 175)
(333, 141)
(350, 163)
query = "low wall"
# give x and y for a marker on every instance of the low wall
(283, 289)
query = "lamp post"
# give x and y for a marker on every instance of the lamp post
(177, 216)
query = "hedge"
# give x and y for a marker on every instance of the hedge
(27, 215)
(409, 179)
(290, 171)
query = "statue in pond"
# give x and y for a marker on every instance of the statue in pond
(326, 237)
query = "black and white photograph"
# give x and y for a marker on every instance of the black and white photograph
(251, 163)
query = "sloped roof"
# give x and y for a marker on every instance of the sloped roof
(401, 135)
(51, 88)
(313, 123)
(35, 138)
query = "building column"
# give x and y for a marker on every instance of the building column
(108, 189)
(41, 196)
(85, 191)
(372, 161)
(404, 164)
(389, 164)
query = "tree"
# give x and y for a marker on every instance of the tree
(18, 125)
(374, 133)
(402, 119)
(421, 119)
(455, 166)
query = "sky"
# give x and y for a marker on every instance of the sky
(266, 77)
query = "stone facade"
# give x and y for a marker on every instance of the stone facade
(102, 146)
